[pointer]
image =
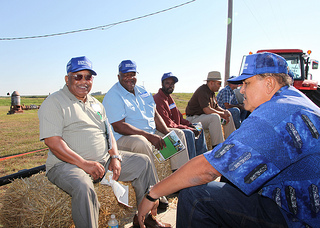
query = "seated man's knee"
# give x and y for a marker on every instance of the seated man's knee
(84, 189)
(140, 143)
(214, 117)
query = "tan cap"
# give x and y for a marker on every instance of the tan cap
(214, 76)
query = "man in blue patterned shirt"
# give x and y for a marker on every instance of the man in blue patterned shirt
(272, 160)
(226, 99)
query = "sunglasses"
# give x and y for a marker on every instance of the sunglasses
(78, 77)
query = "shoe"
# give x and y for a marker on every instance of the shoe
(150, 222)
(163, 203)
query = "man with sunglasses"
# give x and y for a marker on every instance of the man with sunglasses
(74, 126)
(203, 107)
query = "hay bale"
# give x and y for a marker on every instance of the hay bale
(208, 139)
(163, 169)
(36, 202)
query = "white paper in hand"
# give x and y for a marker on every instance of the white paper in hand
(119, 190)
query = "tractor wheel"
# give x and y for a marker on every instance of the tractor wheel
(314, 96)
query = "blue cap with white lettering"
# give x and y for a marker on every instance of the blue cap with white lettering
(169, 75)
(261, 63)
(127, 66)
(80, 63)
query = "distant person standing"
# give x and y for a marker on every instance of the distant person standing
(204, 108)
(227, 99)
(173, 118)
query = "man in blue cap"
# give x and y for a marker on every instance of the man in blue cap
(132, 113)
(137, 126)
(272, 160)
(74, 126)
(173, 118)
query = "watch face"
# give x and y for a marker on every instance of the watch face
(118, 157)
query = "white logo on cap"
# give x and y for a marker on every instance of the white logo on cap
(84, 63)
(129, 65)
(245, 66)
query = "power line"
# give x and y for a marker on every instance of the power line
(260, 26)
(97, 27)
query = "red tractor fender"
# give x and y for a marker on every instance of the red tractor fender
(305, 85)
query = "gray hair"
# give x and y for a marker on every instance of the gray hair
(282, 78)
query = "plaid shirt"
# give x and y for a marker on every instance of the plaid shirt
(226, 95)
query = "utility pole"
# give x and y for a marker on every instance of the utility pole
(229, 38)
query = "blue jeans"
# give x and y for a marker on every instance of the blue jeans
(238, 116)
(195, 146)
(218, 204)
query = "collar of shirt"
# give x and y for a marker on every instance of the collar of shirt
(163, 95)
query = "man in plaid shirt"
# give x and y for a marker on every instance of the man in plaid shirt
(227, 100)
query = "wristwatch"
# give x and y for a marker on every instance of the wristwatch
(119, 157)
(150, 198)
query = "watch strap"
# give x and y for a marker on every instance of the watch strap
(150, 198)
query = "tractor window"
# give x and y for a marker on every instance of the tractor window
(294, 65)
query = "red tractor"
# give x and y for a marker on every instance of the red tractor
(300, 63)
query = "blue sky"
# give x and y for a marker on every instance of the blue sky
(189, 41)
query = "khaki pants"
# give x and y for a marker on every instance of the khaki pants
(213, 123)
(139, 144)
(78, 184)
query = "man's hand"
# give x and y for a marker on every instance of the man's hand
(115, 167)
(94, 169)
(143, 209)
(196, 132)
(156, 140)
(226, 114)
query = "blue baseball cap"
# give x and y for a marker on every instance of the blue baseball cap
(169, 75)
(127, 66)
(232, 82)
(291, 74)
(261, 63)
(80, 63)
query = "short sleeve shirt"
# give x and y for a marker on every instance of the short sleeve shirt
(276, 152)
(81, 125)
(203, 97)
(136, 109)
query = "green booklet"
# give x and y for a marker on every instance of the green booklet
(173, 146)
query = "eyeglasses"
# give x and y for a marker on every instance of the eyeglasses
(78, 77)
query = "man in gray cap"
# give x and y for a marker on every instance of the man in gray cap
(204, 108)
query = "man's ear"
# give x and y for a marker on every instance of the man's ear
(270, 85)
(66, 78)
(119, 77)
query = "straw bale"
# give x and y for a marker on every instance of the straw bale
(163, 169)
(208, 139)
(36, 202)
